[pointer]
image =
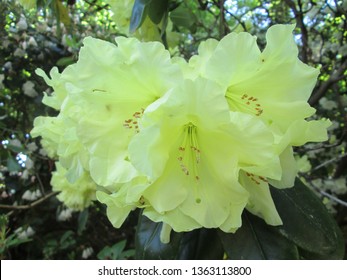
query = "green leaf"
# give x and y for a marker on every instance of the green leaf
(82, 221)
(138, 14)
(201, 244)
(197, 244)
(16, 149)
(127, 254)
(184, 17)
(148, 244)
(62, 13)
(12, 164)
(67, 240)
(12, 241)
(157, 9)
(116, 252)
(307, 223)
(256, 240)
(65, 61)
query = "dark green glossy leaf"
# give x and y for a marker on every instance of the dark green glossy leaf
(307, 222)
(116, 252)
(201, 244)
(82, 221)
(12, 164)
(16, 149)
(256, 240)
(157, 9)
(184, 17)
(148, 244)
(138, 14)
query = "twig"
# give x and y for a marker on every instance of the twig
(328, 162)
(324, 193)
(221, 19)
(334, 77)
(299, 16)
(339, 201)
(30, 205)
(40, 183)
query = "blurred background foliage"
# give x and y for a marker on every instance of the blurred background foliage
(46, 33)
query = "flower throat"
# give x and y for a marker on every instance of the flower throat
(189, 152)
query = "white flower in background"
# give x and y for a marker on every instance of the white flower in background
(334, 126)
(3, 168)
(31, 195)
(28, 89)
(344, 100)
(65, 215)
(303, 164)
(43, 152)
(337, 186)
(24, 233)
(29, 164)
(15, 143)
(32, 42)
(24, 45)
(22, 23)
(8, 66)
(19, 52)
(87, 252)
(2, 77)
(341, 186)
(24, 175)
(32, 147)
(5, 43)
(327, 104)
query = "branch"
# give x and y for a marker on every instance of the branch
(344, 203)
(328, 162)
(334, 77)
(324, 193)
(221, 19)
(30, 205)
(299, 16)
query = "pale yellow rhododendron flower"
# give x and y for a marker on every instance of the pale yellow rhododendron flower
(273, 85)
(114, 84)
(101, 98)
(192, 147)
(59, 137)
(78, 195)
(193, 144)
(56, 98)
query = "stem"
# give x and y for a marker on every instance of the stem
(28, 206)
(165, 233)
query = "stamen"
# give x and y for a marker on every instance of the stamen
(132, 123)
(244, 103)
(256, 179)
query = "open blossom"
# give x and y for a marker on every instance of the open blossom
(100, 100)
(28, 89)
(272, 84)
(193, 144)
(24, 233)
(192, 148)
(77, 195)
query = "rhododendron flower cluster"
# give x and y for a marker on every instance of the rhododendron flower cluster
(192, 143)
